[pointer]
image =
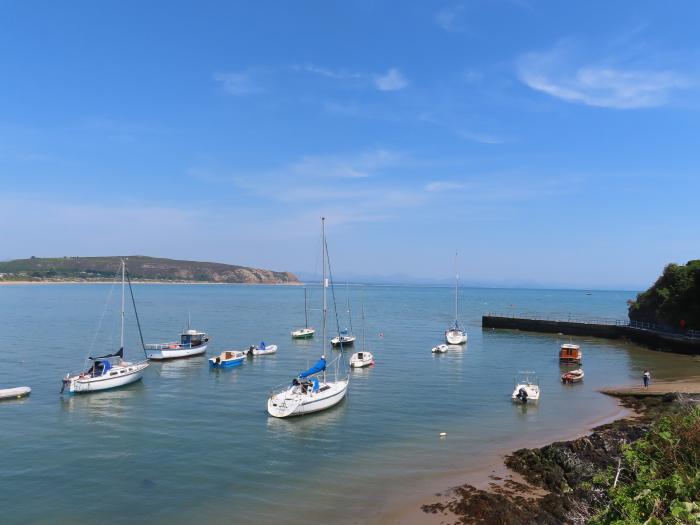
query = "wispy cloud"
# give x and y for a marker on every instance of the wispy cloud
(238, 83)
(361, 165)
(440, 186)
(392, 80)
(448, 18)
(481, 138)
(336, 74)
(603, 84)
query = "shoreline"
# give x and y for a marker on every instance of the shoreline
(18, 283)
(495, 478)
(488, 473)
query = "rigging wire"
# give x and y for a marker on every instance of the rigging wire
(136, 313)
(104, 311)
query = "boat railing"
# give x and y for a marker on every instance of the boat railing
(166, 346)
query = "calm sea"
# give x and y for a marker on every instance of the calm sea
(188, 444)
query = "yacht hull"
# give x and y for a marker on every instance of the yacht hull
(455, 337)
(176, 353)
(290, 403)
(117, 377)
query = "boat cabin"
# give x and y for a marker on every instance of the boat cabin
(570, 353)
(193, 338)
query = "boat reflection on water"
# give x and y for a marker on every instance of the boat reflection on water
(176, 368)
(107, 404)
(312, 424)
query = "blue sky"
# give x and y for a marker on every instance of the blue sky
(553, 143)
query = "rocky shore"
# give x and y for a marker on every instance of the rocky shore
(558, 484)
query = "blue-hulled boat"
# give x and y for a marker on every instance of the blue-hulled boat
(227, 359)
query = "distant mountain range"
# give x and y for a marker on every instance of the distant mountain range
(140, 268)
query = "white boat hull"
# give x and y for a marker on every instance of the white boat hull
(455, 337)
(118, 376)
(356, 361)
(176, 353)
(440, 349)
(15, 393)
(346, 340)
(292, 402)
(303, 333)
(272, 349)
(532, 391)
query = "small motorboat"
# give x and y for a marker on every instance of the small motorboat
(574, 376)
(570, 353)
(262, 349)
(14, 393)
(361, 359)
(191, 343)
(227, 359)
(527, 388)
(440, 349)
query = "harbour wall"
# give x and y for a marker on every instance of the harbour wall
(608, 329)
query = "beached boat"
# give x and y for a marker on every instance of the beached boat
(456, 335)
(527, 388)
(227, 359)
(262, 349)
(440, 349)
(306, 332)
(191, 343)
(313, 389)
(574, 376)
(14, 393)
(110, 370)
(570, 353)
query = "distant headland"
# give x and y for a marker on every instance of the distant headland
(141, 268)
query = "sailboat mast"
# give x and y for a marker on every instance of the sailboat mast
(121, 340)
(347, 287)
(456, 288)
(325, 306)
(306, 311)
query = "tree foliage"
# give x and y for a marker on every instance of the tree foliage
(660, 476)
(674, 297)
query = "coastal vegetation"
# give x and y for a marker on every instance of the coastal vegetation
(140, 268)
(673, 300)
(641, 471)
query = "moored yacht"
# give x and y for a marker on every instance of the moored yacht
(313, 389)
(307, 332)
(456, 335)
(110, 370)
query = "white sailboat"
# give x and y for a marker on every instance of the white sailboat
(111, 370)
(345, 337)
(456, 335)
(363, 358)
(313, 389)
(306, 332)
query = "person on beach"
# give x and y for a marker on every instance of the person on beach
(646, 377)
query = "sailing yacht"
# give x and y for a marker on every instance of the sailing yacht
(306, 332)
(110, 370)
(345, 337)
(456, 335)
(363, 358)
(314, 389)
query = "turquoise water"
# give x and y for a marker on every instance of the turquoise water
(188, 444)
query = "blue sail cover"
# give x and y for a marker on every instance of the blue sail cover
(320, 366)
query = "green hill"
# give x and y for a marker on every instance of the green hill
(674, 297)
(140, 268)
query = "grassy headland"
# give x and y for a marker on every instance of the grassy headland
(81, 269)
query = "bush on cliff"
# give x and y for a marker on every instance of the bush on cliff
(674, 298)
(659, 482)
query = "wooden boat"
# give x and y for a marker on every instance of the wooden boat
(227, 359)
(14, 393)
(570, 353)
(574, 376)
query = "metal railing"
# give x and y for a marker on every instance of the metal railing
(608, 321)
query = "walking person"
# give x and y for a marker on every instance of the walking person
(646, 377)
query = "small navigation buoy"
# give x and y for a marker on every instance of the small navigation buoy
(443, 434)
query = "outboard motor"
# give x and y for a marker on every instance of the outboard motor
(522, 395)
